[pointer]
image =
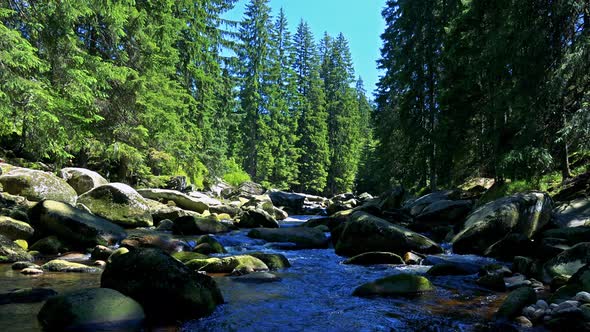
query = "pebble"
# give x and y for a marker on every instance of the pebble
(31, 271)
(523, 321)
(583, 297)
(541, 304)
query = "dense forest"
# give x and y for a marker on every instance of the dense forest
(138, 90)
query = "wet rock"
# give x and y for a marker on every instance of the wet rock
(37, 185)
(279, 214)
(448, 269)
(568, 262)
(292, 202)
(26, 295)
(23, 265)
(81, 179)
(149, 239)
(574, 188)
(572, 235)
(523, 322)
(515, 302)
(11, 252)
(75, 226)
(213, 246)
(411, 258)
(418, 206)
(396, 285)
(445, 211)
(58, 265)
(227, 209)
(273, 261)
(257, 218)
(192, 225)
(91, 309)
(99, 263)
(371, 258)
(32, 271)
(367, 233)
(494, 281)
(235, 265)
(172, 292)
(165, 225)
(583, 297)
(22, 243)
(184, 201)
(117, 253)
(118, 203)
(523, 265)
(302, 237)
(14, 229)
(574, 213)
(185, 256)
(524, 214)
(257, 278)
(101, 253)
(50, 245)
(391, 199)
(245, 189)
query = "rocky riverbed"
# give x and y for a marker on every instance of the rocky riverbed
(252, 259)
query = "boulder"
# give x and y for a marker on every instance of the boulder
(524, 214)
(292, 202)
(445, 211)
(91, 310)
(26, 295)
(214, 247)
(167, 289)
(14, 229)
(186, 256)
(149, 239)
(161, 211)
(58, 265)
(568, 262)
(181, 200)
(235, 265)
(515, 302)
(371, 258)
(574, 188)
(49, 245)
(571, 235)
(418, 206)
(366, 233)
(192, 225)
(257, 218)
(81, 179)
(247, 189)
(448, 269)
(232, 211)
(302, 237)
(260, 202)
(37, 185)
(396, 285)
(469, 264)
(101, 253)
(75, 226)
(118, 203)
(257, 278)
(206, 198)
(273, 261)
(574, 213)
(11, 252)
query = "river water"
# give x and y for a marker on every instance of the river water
(313, 295)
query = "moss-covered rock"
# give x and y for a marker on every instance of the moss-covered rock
(303, 237)
(81, 179)
(396, 285)
(235, 265)
(257, 218)
(145, 238)
(273, 261)
(11, 252)
(91, 309)
(515, 302)
(193, 225)
(524, 214)
(371, 258)
(58, 265)
(213, 246)
(49, 245)
(37, 185)
(166, 288)
(568, 262)
(181, 200)
(77, 227)
(185, 256)
(366, 233)
(14, 229)
(118, 203)
(22, 243)
(118, 252)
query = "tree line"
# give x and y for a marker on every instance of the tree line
(490, 88)
(139, 89)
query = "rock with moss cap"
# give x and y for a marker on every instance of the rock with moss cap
(49, 245)
(515, 302)
(525, 214)
(37, 185)
(397, 285)
(181, 200)
(193, 225)
(75, 226)
(257, 218)
(167, 289)
(302, 237)
(81, 179)
(15, 229)
(90, 310)
(186, 256)
(273, 261)
(11, 252)
(58, 265)
(377, 257)
(209, 245)
(366, 233)
(235, 265)
(118, 203)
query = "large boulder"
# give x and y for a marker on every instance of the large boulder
(119, 203)
(37, 185)
(91, 310)
(303, 237)
(574, 188)
(524, 214)
(445, 211)
(11, 252)
(166, 288)
(574, 213)
(418, 206)
(235, 265)
(15, 229)
(292, 202)
(391, 199)
(247, 189)
(273, 261)
(181, 200)
(568, 262)
(81, 179)
(75, 226)
(515, 302)
(193, 225)
(366, 233)
(396, 285)
(205, 197)
(257, 218)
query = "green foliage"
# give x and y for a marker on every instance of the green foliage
(234, 174)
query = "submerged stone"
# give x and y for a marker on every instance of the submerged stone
(396, 285)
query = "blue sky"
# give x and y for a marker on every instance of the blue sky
(359, 20)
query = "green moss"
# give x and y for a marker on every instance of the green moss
(396, 285)
(273, 261)
(234, 264)
(185, 256)
(515, 302)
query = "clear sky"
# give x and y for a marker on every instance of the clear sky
(359, 20)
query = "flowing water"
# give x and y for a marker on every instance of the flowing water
(313, 295)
